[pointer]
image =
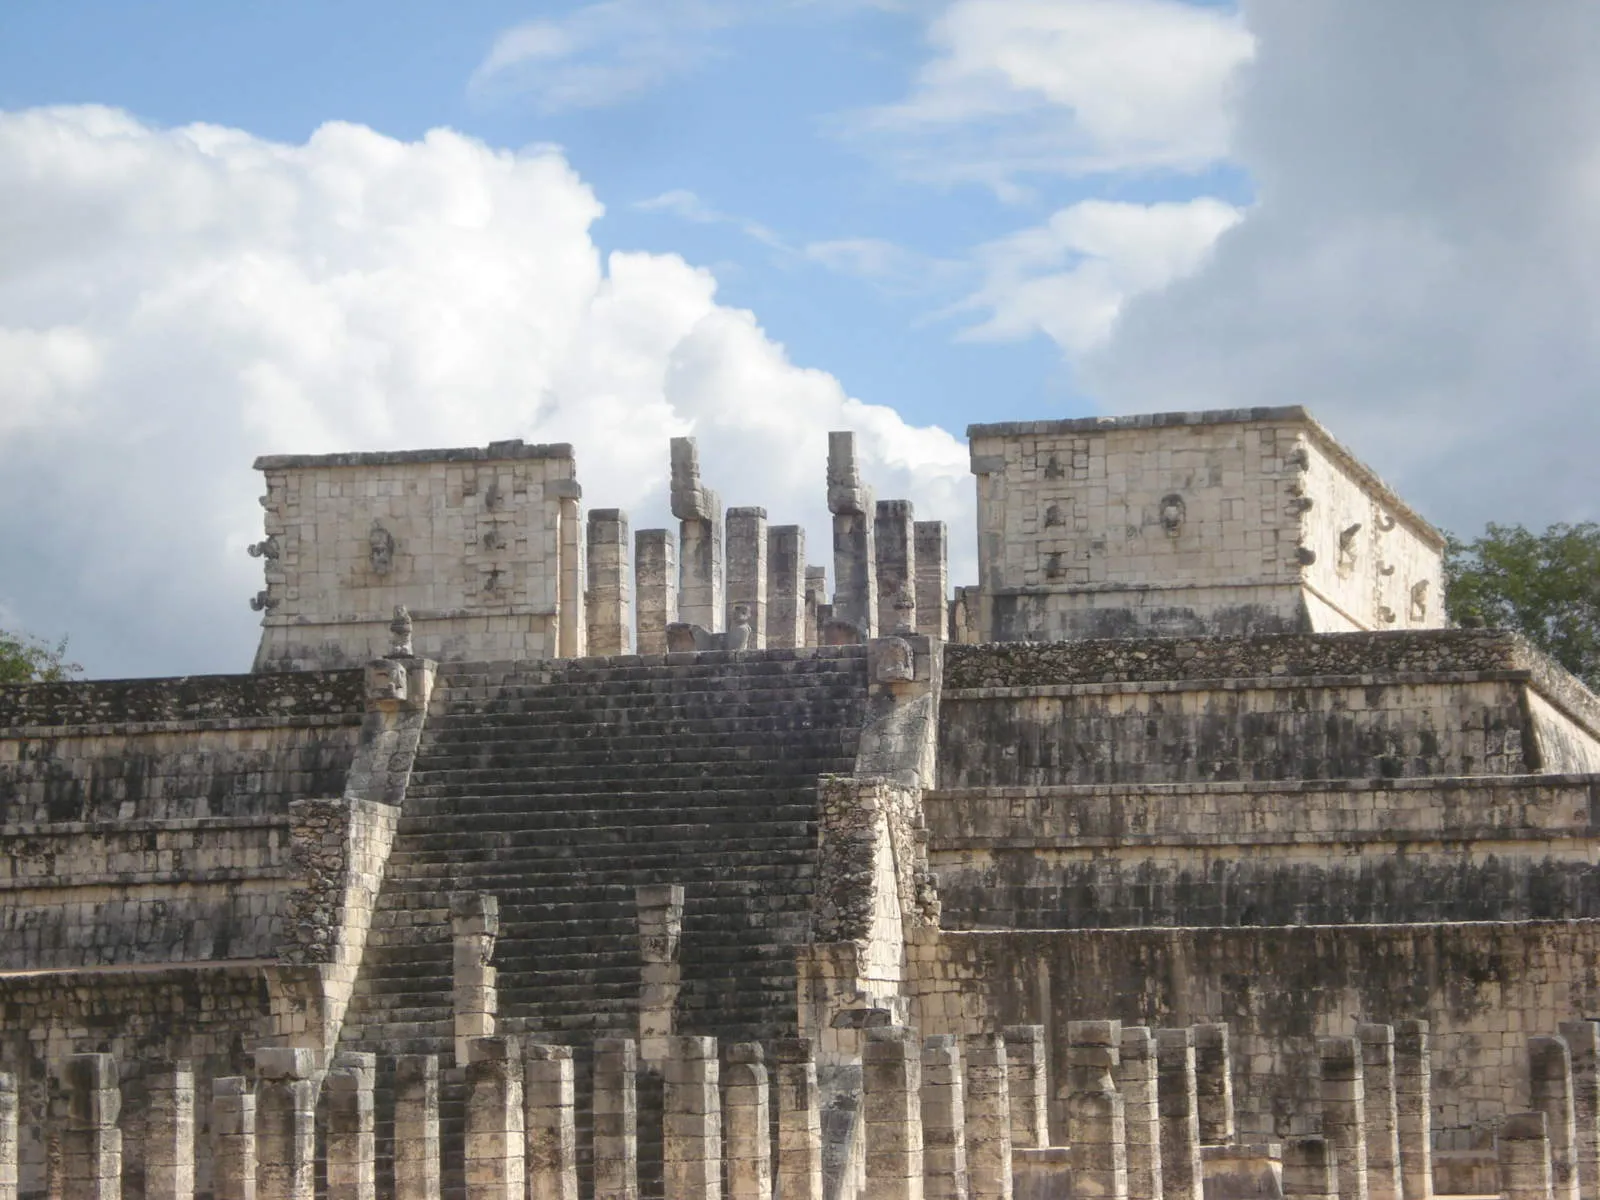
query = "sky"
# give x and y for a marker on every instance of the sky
(238, 229)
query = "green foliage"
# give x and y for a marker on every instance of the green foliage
(1546, 586)
(25, 659)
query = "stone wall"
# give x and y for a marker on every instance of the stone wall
(484, 546)
(1221, 522)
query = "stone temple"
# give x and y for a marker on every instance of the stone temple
(1188, 854)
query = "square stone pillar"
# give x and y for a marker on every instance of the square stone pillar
(1523, 1151)
(816, 600)
(1182, 1177)
(233, 1139)
(799, 1120)
(786, 586)
(699, 514)
(1381, 1111)
(549, 1088)
(571, 632)
(1344, 1112)
(416, 1127)
(747, 577)
(747, 1123)
(933, 579)
(352, 1128)
(691, 1114)
(855, 566)
(91, 1143)
(894, 533)
(1413, 1096)
(169, 1133)
(891, 1073)
(655, 554)
(492, 1158)
(1025, 1062)
(474, 925)
(660, 913)
(616, 1113)
(1136, 1080)
(608, 606)
(286, 1123)
(1096, 1120)
(9, 1109)
(1309, 1169)
(1583, 1045)
(988, 1114)
(1213, 1077)
(1550, 1087)
(944, 1120)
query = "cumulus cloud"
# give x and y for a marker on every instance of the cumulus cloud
(1423, 266)
(1070, 277)
(175, 302)
(1064, 87)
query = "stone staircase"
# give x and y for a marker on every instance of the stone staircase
(562, 787)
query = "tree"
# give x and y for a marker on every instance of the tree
(1545, 586)
(26, 659)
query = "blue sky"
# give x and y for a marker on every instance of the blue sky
(237, 228)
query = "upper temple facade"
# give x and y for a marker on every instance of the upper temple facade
(1186, 854)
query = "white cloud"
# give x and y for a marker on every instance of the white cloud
(601, 54)
(1020, 87)
(886, 264)
(175, 302)
(1070, 277)
(688, 206)
(1423, 266)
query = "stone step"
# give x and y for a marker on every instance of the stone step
(544, 780)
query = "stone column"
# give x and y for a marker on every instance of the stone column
(699, 514)
(747, 1127)
(891, 1071)
(550, 1121)
(894, 532)
(1583, 1045)
(493, 1143)
(933, 579)
(660, 912)
(944, 1120)
(91, 1143)
(855, 568)
(691, 1108)
(233, 1139)
(988, 1105)
(608, 607)
(169, 1133)
(655, 554)
(747, 575)
(1413, 1093)
(1025, 1063)
(816, 599)
(1523, 1150)
(570, 632)
(1344, 1112)
(1309, 1169)
(352, 1129)
(9, 1109)
(1136, 1080)
(1096, 1119)
(286, 1117)
(474, 924)
(1182, 1177)
(1380, 1111)
(1550, 1087)
(799, 1121)
(1213, 1077)
(416, 1127)
(786, 586)
(616, 1108)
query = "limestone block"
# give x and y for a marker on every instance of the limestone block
(416, 1127)
(1380, 1111)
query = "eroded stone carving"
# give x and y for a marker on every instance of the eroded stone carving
(262, 601)
(846, 495)
(386, 679)
(892, 660)
(1173, 512)
(1347, 545)
(690, 500)
(1053, 517)
(400, 633)
(266, 548)
(380, 549)
(740, 636)
(1052, 469)
(1419, 600)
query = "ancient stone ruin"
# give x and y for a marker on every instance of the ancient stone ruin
(1188, 854)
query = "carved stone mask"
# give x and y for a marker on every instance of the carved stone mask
(1173, 512)
(380, 549)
